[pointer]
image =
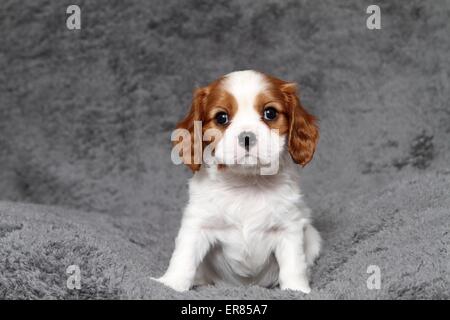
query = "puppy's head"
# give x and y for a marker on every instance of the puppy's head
(248, 119)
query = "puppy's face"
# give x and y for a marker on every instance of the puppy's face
(249, 119)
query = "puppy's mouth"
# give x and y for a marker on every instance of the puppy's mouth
(250, 159)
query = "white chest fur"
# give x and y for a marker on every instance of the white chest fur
(244, 230)
(243, 218)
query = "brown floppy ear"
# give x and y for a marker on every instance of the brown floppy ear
(303, 130)
(193, 158)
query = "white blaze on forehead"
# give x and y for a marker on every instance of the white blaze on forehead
(245, 87)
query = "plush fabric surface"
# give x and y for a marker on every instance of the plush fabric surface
(86, 117)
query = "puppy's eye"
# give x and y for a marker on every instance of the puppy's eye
(221, 118)
(270, 113)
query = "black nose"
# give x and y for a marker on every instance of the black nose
(247, 139)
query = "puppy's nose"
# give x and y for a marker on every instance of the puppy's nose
(247, 139)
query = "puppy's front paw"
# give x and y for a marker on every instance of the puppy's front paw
(176, 283)
(297, 285)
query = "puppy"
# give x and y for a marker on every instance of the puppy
(244, 225)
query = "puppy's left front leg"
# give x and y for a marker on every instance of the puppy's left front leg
(191, 246)
(292, 262)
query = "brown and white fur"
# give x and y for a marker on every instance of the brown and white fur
(241, 227)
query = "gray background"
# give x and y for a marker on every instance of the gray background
(86, 116)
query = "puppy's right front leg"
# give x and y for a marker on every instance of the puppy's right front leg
(191, 246)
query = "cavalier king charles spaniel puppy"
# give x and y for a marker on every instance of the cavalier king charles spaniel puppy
(246, 222)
